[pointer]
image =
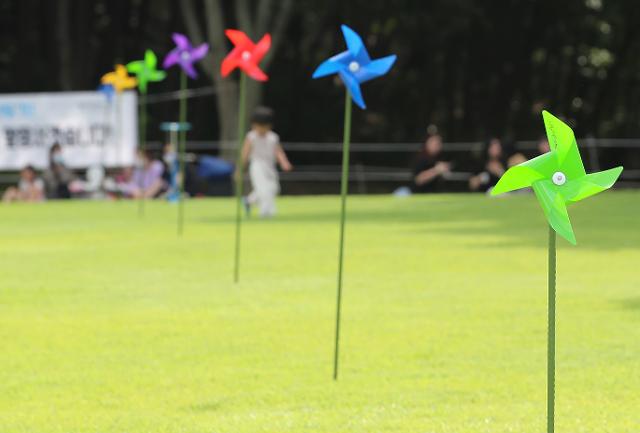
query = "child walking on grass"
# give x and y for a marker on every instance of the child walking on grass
(262, 150)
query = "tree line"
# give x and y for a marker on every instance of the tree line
(474, 68)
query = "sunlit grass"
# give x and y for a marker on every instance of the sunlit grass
(111, 323)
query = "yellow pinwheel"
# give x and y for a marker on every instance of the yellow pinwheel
(119, 79)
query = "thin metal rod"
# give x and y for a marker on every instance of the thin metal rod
(118, 122)
(551, 349)
(344, 187)
(239, 172)
(142, 109)
(181, 152)
(108, 116)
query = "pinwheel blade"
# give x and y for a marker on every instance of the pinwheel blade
(129, 82)
(150, 59)
(108, 78)
(376, 68)
(135, 67)
(594, 183)
(157, 75)
(328, 67)
(171, 59)
(523, 175)
(562, 141)
(555, 209)
(255, 72)
(239, 38)
(353, 40)
(261, 48)
(181, 41)
(354, 88)
(189, 70)
(142, 85)
(199, 52)
(228, 65)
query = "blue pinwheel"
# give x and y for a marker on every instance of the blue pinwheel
(108, 91)
(354, 65)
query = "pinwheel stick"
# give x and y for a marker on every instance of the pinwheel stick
(239, 172)
(142, 109)
(108, 108)
(551, 350)
(181, 150)
(344, 187)
(119, 150)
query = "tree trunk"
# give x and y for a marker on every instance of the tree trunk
(227, 88)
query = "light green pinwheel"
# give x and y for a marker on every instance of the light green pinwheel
(557, 177)
(145, 70)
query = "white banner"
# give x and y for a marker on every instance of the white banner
(90, 128)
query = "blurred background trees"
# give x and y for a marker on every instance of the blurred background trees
(472, 67)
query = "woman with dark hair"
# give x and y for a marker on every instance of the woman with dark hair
(493, 167)
(430, 169)
(57, 177)
(147, 180)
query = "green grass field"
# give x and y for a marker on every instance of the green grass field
(110, 323)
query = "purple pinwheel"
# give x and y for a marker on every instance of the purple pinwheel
(185, 55)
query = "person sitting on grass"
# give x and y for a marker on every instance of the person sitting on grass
(493, 169)
(147, 180)
(430, 169)
(30, 188)
(263, 151)
(57, 178)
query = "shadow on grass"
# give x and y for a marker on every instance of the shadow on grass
(607, 222)
(205, 407)
(630, 304)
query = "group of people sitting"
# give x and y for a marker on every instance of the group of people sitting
(55, 182)
(151, 178)
(432, 170)
(148, 178)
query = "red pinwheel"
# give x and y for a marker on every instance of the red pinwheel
(246, 55)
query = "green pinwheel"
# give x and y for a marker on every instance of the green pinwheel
(557, 177)
(145, 70)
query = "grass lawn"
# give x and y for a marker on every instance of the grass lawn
(111, 324)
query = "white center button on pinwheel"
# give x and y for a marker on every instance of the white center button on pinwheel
(185, 55)
(559, 178)
(246, 55)
(354, 66)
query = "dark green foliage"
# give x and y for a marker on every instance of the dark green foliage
(472, 67)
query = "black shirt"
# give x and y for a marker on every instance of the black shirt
(489, 179)
(434, 185)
